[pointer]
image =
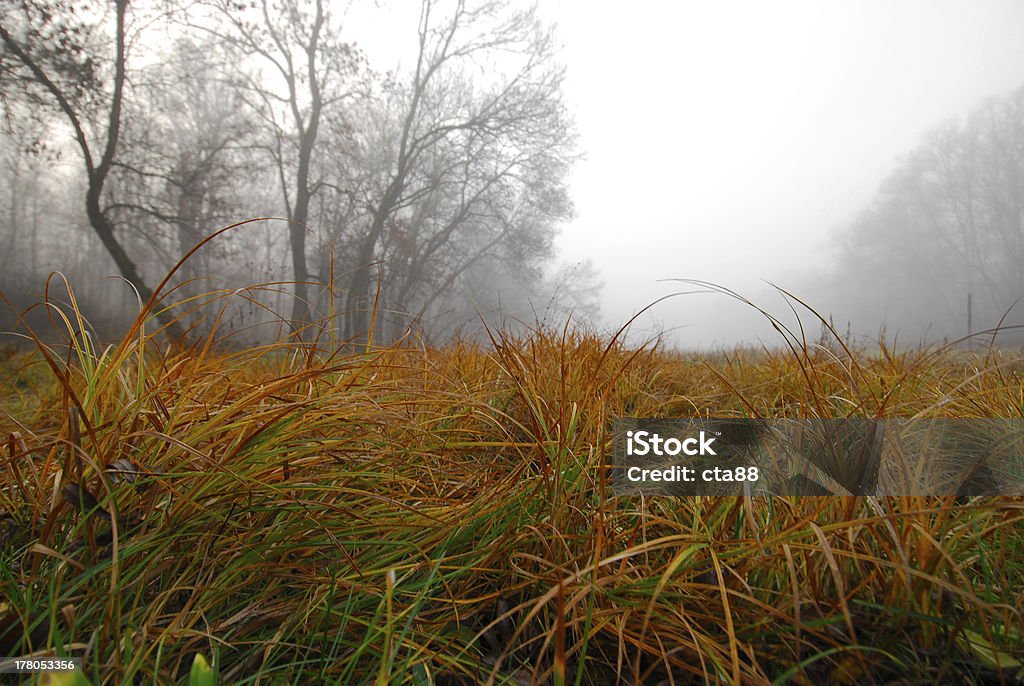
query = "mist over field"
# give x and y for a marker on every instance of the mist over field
(863, 156)
(313, 367)
(433, 167)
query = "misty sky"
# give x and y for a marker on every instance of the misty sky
(732, 141)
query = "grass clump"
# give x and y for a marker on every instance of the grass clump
(442, 516)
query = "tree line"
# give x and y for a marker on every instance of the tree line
(409, 198)
(944, 233)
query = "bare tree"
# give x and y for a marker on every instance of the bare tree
(186, 148)
(24, 157)
(476, 143)
(294, 69)
(57, 59)
(948, 222)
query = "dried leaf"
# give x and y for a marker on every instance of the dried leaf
(123, 470)
(82, 499)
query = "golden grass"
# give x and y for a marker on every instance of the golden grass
(442, 516)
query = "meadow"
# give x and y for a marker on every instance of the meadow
(303, 514)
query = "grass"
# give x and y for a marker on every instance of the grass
(442, 516)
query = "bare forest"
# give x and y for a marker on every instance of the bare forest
(411, 200)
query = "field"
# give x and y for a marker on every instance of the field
(442, 516)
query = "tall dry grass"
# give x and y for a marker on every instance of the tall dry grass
(442, 516)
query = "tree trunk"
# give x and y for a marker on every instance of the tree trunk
(105, 230)
(97, 173)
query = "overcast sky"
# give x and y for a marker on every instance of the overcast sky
(732, 140)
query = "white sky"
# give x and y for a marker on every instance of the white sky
(731, 140)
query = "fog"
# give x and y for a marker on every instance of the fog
(756, 146)
(736, 141)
